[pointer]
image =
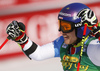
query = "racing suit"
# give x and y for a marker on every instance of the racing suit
(69, 54)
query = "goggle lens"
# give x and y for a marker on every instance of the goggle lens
(65, 26)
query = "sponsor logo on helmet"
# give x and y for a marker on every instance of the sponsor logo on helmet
(78, 25)
(65, 14)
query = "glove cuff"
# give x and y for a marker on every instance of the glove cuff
(22, 39)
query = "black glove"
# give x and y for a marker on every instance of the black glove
(89, 17)
(96, 31)
(16, 32)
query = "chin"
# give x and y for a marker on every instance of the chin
(67, 42)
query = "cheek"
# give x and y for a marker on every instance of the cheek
(72, 38)
(73, 35)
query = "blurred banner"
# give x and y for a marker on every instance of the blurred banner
(41, 25)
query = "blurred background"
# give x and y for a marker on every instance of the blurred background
(40, 19)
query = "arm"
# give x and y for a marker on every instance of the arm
(16, 32)
(40, 53)
(46, 51)
(49, 50)
(93, 51)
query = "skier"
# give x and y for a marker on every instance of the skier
(68, 46)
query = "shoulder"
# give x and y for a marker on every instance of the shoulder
(93, 51)
(59, 40)
(57, 44)
(95, 42)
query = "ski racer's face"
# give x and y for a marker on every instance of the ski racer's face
(68, 32)
(69, 38)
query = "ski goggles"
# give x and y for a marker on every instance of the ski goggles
(65, 26)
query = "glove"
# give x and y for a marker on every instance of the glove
(16, 32)
(89, 18)
(96, 31)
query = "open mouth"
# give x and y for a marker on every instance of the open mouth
(66, 37)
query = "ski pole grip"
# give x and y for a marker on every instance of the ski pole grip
(9, 37)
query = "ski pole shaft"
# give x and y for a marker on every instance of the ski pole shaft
(8, 38)
(4, 43)
(84, 33)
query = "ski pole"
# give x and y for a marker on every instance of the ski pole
(6, 40)
(82, 46)
(4, 43)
